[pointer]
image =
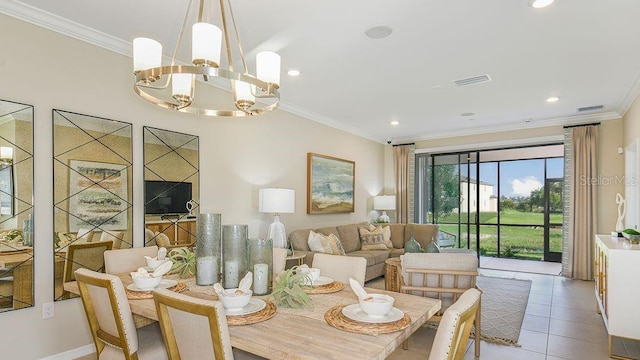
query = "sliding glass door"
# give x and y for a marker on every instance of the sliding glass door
(501, 203)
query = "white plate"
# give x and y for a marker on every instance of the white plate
(322, 280)
(254, 305)
(354, 312)
(164, 284)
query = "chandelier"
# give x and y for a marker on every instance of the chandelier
(173, 87)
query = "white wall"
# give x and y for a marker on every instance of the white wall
(238, 156)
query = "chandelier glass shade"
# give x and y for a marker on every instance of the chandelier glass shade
(173, 86)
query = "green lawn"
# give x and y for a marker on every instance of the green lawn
(520, 242)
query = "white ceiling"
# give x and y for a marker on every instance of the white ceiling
(584, 51)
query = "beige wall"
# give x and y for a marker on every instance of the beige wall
(610, 162)
(237, 157)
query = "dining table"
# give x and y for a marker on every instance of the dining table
(304, 333)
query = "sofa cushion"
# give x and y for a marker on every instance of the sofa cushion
(397, 235)
(396, 252)
(319, 243)
(386, 234)
(372, 239)
(328, 244)
(349, 236)
(373, 257)
(299, 239)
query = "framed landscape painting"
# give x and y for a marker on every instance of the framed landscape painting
(98, 195)
(330, 184)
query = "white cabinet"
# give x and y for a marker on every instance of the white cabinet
(617, 277)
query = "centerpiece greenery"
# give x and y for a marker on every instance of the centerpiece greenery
(184, 262)
(288, 290)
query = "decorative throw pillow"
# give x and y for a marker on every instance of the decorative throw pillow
(336, 245)
(372, 240)
(318, 243)
(162, 240)
(386, 234)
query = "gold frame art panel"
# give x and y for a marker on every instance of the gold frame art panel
(330, 184)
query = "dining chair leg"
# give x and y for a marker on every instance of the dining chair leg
(405, 344)
(477, 339)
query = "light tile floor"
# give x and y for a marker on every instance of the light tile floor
(560, 322)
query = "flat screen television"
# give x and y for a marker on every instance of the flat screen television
(166, 197)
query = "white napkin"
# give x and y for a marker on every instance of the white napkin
(162, 252)
(219, 289)
(303, 267)
(245, 283)
(141, 273)
(163, 269)
(359, 290)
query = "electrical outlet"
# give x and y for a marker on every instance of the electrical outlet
(47, 310)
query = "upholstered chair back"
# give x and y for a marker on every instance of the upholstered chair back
(192, 328)
(85, 255)
(453, 332)
(127, 260)
(340, 267)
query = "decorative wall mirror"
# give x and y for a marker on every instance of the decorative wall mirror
(172, 187)
(16, 206)
(92, 192)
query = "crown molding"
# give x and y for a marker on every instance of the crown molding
(632, 95)
(562, 121)
(64, 26)
(84, 33)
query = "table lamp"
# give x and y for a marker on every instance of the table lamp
(384, 203)
(277, 201)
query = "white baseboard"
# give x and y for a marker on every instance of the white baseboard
(73, 353)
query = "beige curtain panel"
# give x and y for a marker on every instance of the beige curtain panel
(582, 214)
(403, 159)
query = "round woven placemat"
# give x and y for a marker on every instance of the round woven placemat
(325, 289)
(139, 295)
(335, 318)
(265, 314)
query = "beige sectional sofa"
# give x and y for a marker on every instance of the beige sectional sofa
(350, 238)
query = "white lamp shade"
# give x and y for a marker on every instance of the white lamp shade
(6, 153)
(268, 67)
(384, 202)
(243, 92)
(206, 43)
(181, 84)
(147, 54)
(277, 201)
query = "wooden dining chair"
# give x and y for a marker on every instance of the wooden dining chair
(111, 321)
(279, 261)
(443, 276)
(84, 255)
(127, 260)
(340, 267)
(450, 342)
(194, 328)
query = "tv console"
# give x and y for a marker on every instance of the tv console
(181, 232)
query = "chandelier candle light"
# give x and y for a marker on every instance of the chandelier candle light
(153, 80)
(277, 201)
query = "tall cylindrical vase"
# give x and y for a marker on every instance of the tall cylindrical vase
(261, 264)
(234, 254)
(208, 241)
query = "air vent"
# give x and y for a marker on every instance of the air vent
(590, 108)
(472, 80)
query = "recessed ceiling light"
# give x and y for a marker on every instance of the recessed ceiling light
(553, 99)
(538, 4)
(378, 32)
(293, 72)
(467, 114)
(395, 122)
